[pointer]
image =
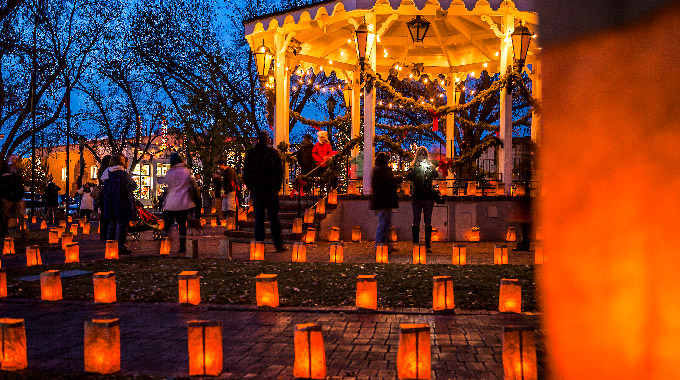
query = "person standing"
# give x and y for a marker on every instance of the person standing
(52, 201)
(304, 155)
(119, 203)
(421, 173)
(86, 201)
(11, 197)
(178, 199)
(263, 174)
(322, 152)
(384, 196)
(229, 186)
(99, 199)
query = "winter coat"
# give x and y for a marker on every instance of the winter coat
(263, 170)
(119, 201)
(86, 200)
(384, 185)
(421, 181)
(11, 187)
(229, 180)
(321, 152)
(178, 196)
(52, 195)
(305, 157)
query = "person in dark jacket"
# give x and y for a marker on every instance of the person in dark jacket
(119, 203)
(263, 174)
(11, 197)
(384, 196)
(304, 155)
(52, 201)
(227, 188)
(421, 173)
(99, 199)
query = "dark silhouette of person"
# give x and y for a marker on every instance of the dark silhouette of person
(263, 174)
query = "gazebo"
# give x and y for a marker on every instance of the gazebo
(448, 40)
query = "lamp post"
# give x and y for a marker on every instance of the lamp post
(361, 34)
(263, 61)
(330, 103)
(521, 39)
(81, 146)
(347, 96)
(418, 27)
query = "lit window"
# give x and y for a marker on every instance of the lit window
(63, 174)
(93, 172)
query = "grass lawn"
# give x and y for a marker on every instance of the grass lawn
(154, 279)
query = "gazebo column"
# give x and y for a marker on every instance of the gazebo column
(505, 153)
(450, 127)
(369, 113)
(537, 91)
(369, 134)
(282, 110)
(356, 115)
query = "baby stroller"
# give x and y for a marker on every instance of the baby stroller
(145, 221)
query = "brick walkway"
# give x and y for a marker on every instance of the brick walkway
(258, 344)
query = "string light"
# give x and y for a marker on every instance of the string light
(486, 64)
(294, 88)
(330, 62)
(349, 40)
(496, 54)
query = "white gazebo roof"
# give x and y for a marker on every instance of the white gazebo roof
(464, 36)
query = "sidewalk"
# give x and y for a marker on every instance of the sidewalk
(258, 344)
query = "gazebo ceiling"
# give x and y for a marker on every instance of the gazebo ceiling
(460, 40)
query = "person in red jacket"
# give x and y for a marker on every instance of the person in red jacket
(322, 152)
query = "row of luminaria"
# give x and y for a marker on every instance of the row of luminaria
(459, 255)
(267, 290)
(102, 349)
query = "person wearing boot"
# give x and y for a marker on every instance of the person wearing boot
(263, 174)
(384, 196)
(178, 198)
(119, 201)
(421, 173)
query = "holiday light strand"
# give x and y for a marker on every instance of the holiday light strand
(332, 123)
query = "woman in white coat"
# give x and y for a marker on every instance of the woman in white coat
(178, 198)
(86, 201)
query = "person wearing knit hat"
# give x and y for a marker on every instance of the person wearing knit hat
(322, 152)
(178, 198)
(175, 159)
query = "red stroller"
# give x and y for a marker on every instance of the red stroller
(146, 221)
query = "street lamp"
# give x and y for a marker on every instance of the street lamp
(271, 79)
(263, 60)
(331, 103)
(418, 27)
(361, 34)
(521, 38)
(347, 95)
